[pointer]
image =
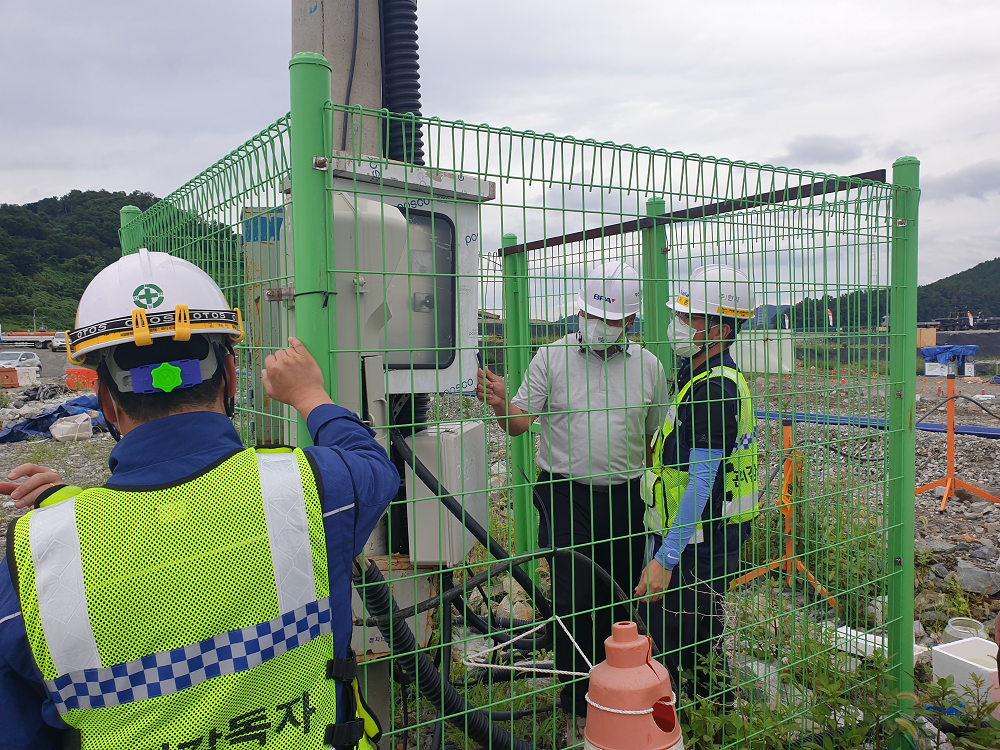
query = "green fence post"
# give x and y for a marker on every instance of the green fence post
(312, 225)
(656, 286)
(128, 214)
(902, 382)
(517, 356)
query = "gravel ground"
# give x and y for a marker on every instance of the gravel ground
(84, 464)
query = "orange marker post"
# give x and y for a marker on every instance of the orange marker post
(950, 482)
(788, 563)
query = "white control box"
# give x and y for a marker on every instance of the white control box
(455, 453)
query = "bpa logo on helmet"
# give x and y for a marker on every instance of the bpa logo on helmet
(602, 298)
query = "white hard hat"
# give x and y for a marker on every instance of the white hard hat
(145, 296)
(715, 289)
(611, 291)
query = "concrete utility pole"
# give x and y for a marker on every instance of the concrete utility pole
(328, 27)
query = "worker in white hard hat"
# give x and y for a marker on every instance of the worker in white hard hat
(701, 490)
(201, 597)
(596, 397)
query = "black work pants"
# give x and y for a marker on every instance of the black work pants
(689, 621)
(606, 525)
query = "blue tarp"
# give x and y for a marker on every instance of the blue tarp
(38, 427)
(941, 354)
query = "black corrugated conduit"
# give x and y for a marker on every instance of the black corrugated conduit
(403, 140)
(476, 723)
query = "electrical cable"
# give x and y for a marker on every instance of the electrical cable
(456, 509)
(350, 85)
(450, 594)
(474, 722)
(477, 724)
(957, 396)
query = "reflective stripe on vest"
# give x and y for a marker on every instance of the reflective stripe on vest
(287, 529)
(62, 601)
(170, 671)
(663, 480)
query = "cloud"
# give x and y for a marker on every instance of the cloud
(821, 150)
(143, 96)
(976, 180)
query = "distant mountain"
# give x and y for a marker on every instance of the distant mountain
(50, 250)
(976, 290)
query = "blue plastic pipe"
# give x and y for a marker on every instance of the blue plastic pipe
(993, 433)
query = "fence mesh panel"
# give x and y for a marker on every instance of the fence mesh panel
(478, 257)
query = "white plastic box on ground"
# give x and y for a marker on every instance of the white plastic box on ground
(455, 453)
(964, 658)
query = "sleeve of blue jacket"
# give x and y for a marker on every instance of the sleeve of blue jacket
(353, 468)
(705, 462)
(358, 482)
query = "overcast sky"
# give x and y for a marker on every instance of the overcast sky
(142, 96)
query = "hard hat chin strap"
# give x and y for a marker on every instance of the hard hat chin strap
(229, 401)
(112, 426)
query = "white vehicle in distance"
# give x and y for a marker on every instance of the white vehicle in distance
(20, 359)
(58, 342)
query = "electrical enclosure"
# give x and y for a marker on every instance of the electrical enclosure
(455, 453)
(406, 250)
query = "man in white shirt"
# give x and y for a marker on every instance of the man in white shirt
(597, 400)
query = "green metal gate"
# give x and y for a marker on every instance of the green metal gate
(402, 279)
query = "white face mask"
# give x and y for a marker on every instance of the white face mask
(597, 334)
(680, 336)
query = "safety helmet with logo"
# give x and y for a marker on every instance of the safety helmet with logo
(147, 296)
(611, 291)
(715, 289)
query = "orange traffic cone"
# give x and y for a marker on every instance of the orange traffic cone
(631, 703)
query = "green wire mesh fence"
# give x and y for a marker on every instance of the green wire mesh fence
(405, 279)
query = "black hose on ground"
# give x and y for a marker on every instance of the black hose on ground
(391, 621)
(470, 523)
(474, 722)
(957, 396)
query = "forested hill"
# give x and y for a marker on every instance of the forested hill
(50, 250)
(976, 290)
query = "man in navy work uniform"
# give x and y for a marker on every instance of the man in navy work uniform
(167, 382)
(701, 492)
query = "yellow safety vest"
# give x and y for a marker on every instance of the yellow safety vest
(190, 617)
(664, 485)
